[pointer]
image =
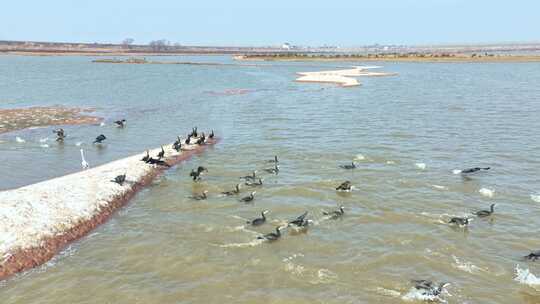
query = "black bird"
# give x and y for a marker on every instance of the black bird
(460, 221)
(272, 236)
(200, 197)
(253, 176)
(428, 288)
(194, 132)
(260, 220)
(120, 179)
(196, 175)
(345, 186)
(200, 141)
(161, 153)
(100, 139)
(60, 134)
(248, 198)
(485, 213)
(336, 213)
(300, 221)
(473, 170)
(159, 162)
(275, 160)
(187, 140)
(533, 256)
(146, 158)
(211, 135)
(254, 184)
(274, 170)
(177, 145)
(120, 123)
(348, 167)
(232, 192)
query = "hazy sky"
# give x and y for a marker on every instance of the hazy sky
(270, 22)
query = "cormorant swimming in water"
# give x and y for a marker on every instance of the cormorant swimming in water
(428, 288)
(460, 221)
(275, 160)
(248, 198)
(260, 220)
(232, 192)
(335, 214)
(120, 179)
(300, 221)
(211, 135)
(60, 134)
(272, 236)
(274, 170)
(100, 139)
(533, 256)
(253, 176)
(473, 170)
(348, 167)
(196, 175)
(345, 186)
(485, 213)
(201, 196)
(254, 184)
(120, 123)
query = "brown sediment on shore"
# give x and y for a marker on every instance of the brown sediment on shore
(22, 118)
(392, 58)
(22, 258)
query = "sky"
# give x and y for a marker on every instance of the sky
(272, 22)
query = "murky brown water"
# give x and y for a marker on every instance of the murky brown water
(167, 248)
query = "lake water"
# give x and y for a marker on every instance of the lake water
(406, 133)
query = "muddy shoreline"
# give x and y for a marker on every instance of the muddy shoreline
(23, 118)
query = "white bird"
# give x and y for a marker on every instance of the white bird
(84, 163)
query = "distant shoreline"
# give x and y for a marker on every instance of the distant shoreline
(342, 58)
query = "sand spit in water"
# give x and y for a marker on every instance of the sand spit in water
(16, 119)
(39, 220)
(344, 78)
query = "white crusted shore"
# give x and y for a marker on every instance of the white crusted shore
(33, 214)
(344, 78)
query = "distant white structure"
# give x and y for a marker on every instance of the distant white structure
(286, 46)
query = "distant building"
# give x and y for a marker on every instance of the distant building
(286, 46)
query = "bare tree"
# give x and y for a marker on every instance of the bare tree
(126, 43)
(159, 45)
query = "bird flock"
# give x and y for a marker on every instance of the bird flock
(426, 288)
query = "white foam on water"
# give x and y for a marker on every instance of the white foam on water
(324, 276)
(456, 171)
(253, 243)
(44, 145)
(293, 268)
(535, 197)
(415, 294)
(79, 143)
(359, 157)
(465, 266)
(524, 276)
(420, 166)
(43, 140)
(388, 292)
(19, 140)
(487, 192)
(102, 124)
(439, 187)
(390, 162)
